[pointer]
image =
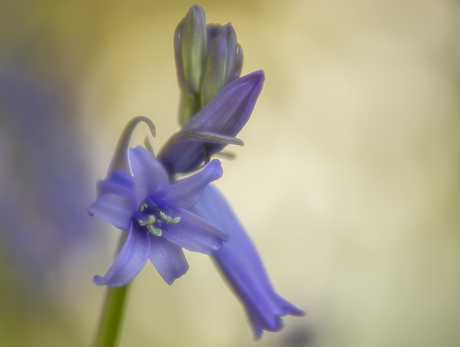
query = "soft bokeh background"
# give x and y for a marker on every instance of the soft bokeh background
(348, 183)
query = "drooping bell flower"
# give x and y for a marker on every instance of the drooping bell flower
(155, 214)
(242, 267)
(225, 115)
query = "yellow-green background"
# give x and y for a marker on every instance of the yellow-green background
(348, 182)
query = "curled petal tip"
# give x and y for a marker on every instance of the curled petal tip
(257, 75)
(297, 312)
(217, 167)
(97, 280)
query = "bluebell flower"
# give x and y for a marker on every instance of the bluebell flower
(225, 115)
(162, 217)
(155, 214)
(242, 267)
(227, 103)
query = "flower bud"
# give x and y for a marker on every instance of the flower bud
(212, 29)
(190, 46)
(224, 62)
(226, 114)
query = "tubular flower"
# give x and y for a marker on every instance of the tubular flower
(155, 214)
(241, 265)
(226, 114)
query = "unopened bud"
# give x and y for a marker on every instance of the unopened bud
(224, 63)
(190, 45)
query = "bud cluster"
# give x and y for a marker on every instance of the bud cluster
(208, 57)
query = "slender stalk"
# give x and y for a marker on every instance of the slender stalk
(112, 314)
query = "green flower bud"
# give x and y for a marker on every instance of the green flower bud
(190, 46)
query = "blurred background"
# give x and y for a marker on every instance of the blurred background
(349, 181)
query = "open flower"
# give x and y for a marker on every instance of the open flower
(241, 265)
(155, 215)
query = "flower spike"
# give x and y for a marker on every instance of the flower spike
(161, 214)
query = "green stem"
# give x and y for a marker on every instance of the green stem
(113, 309)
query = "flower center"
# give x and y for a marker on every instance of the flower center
(152, 218)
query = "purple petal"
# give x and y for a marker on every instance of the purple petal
(150, 177)
(186, 192)
(212, 29)
(229, 111)
(116, 207)
(225, 114)
(192, 232)
(129, 262)
(242, 266)
(168, 259)
(113, 181)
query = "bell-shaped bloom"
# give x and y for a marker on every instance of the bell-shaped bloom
(226, 114)
(242, 267)
(224, 64)
(155, 215)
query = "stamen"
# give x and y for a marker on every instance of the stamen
(154, 230)
(151, 220)
(168, 218)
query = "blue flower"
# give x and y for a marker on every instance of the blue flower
(155, 214)
(225, 115)
(241, 265)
